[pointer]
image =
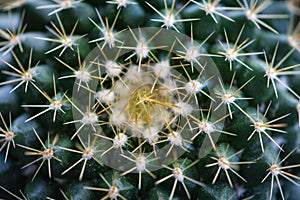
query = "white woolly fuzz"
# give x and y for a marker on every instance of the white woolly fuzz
(228, 98)
(88, 154)
(133, 75)
(83, 76)
(175, 138)
(193, 86)
(48, 154)
(206, 127)
(109, 38)
(113, 192)
(120, 140)
(178, 174)
(105, 96)
(191, 54)
(162, 69)
(251, 15)
(121, 3)
(117, 118)
(151, 134)
(89, 118)
(231, 55)
(9, 136)
(170, 85)
(292, 41)
(182, 108)
(141, 49)
(27, 76)
(55, 105)
(67, 4)
(271, 73)
(223, 163)
(113, 69)
(140, 163)
(259, 127)
(169, 20)
(68, 42)
(209, 8)
(275, 170)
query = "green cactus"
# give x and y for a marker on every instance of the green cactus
(133, 99)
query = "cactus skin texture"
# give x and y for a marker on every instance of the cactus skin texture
(139, 132)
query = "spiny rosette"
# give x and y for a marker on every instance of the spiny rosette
(141, 106)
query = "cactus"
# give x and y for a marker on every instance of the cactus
(132, 99)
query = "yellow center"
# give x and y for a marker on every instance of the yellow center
(146, 102)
